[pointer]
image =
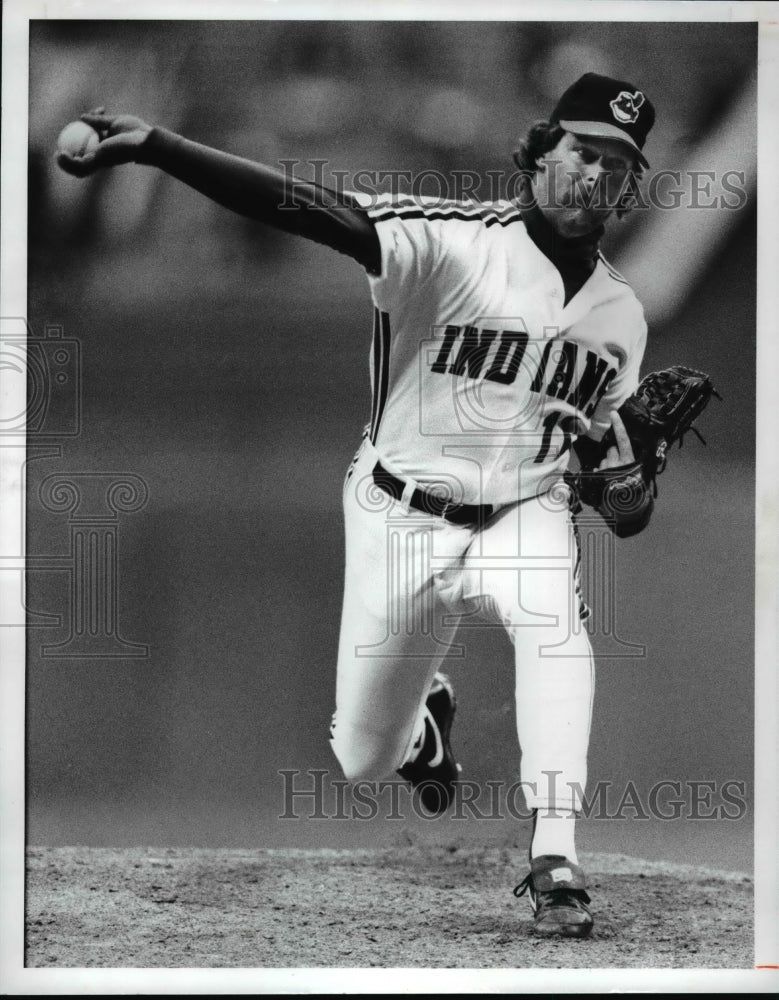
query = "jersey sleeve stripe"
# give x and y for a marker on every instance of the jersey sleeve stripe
(458, 212)
(381, 352)
(375, 366)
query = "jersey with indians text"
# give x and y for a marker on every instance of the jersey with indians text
(482, 377)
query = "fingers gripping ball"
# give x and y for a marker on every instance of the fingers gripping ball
(77, 139)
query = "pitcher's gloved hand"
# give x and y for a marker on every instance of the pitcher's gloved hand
(622, 485)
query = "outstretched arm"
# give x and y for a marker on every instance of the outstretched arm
(251, 189)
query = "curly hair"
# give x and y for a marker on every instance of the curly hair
(542, 137)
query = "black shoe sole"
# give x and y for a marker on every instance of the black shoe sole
(549, 928)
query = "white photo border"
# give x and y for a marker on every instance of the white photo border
(14, 978)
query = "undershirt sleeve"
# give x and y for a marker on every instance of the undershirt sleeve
(296, 206)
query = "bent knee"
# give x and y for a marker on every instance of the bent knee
(365, 756)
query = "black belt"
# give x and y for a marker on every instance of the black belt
(429, 503)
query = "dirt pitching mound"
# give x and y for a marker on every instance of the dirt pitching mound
(447, 907)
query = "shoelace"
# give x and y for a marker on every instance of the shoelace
(553, 896)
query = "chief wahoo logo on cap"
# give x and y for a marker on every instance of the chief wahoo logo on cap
(625, 106)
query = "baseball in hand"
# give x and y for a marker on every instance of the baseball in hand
(77, 138)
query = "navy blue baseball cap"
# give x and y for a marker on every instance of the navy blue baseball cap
(607, 108)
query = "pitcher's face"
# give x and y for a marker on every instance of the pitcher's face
(578, 183)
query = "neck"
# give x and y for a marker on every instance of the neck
(575, 258)
(549, 241)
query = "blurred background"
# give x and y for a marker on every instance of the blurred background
(226, 366)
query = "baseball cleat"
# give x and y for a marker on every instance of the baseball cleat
(434, 770)
(556, 888)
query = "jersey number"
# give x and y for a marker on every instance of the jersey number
(566, 423)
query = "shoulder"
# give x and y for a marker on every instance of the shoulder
(613, 320)
(614, 284)
(617, 294)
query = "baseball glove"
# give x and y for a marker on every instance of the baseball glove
(662, 410)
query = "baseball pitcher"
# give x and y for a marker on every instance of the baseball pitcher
(503, 341)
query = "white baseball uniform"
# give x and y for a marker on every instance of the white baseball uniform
(482, 377)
